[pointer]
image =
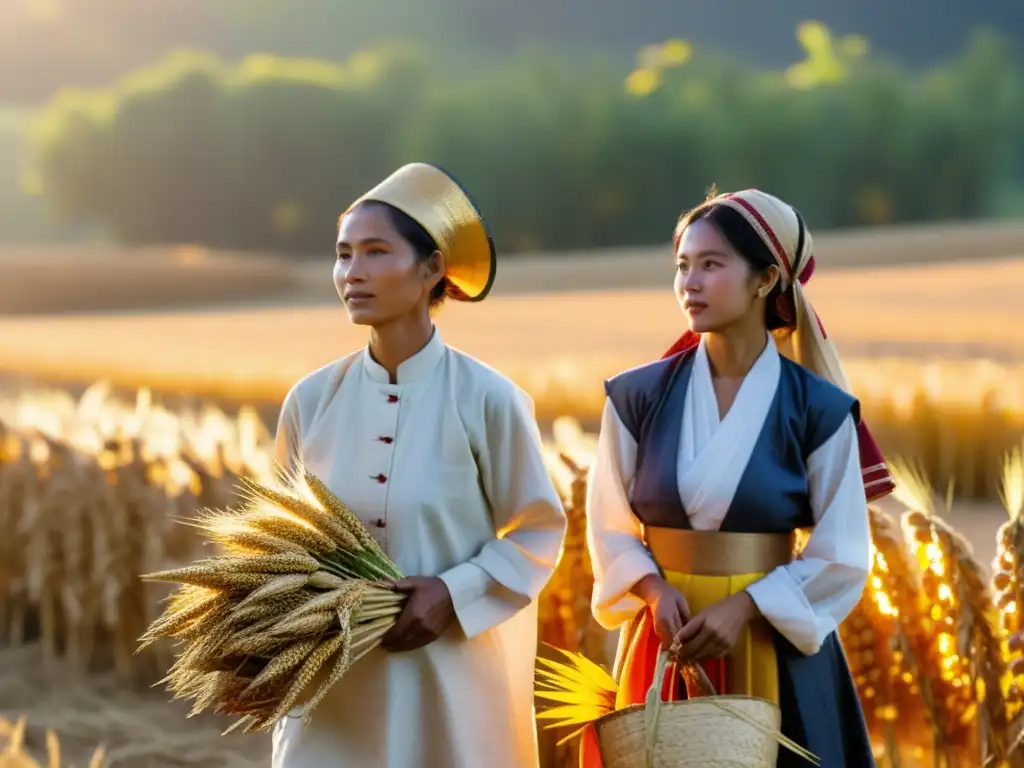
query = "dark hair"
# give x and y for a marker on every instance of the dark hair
(745, 241)
(413, 233)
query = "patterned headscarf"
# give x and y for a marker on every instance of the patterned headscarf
(784, 233)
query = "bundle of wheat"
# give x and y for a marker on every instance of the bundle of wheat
(299, 584)
(966, 643)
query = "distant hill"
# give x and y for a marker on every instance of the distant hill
(45, 44)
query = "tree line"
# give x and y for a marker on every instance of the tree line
(89, 42)
(264, 153)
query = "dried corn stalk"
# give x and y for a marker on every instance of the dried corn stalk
(88, 501)
(564, 616)
(564, 610)
(90, 490)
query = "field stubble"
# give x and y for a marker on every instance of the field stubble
(134, 728)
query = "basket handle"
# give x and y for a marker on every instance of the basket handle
(652, 709)
(652, 704)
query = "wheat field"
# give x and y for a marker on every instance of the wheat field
(102, 278)
(92, 486)
(94, 489)
(548, 341)
(936, 353)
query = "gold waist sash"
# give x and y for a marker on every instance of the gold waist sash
(714, 553)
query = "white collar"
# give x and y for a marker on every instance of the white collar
(420, 365)
(765, 362)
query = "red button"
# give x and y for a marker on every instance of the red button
(388, 440)
(380, 523)
(381, 478)
(392, 398)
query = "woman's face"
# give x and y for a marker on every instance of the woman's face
(714, 285)
(378, 275)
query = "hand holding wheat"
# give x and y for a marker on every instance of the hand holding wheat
(427, 613)
(301, 582)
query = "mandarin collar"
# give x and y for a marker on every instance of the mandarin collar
(418, 366)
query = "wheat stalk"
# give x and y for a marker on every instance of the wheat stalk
(886, 638)
(970, 652)
(1008, 581)
(13, 754)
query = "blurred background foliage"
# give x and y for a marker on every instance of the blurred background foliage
(562, 147)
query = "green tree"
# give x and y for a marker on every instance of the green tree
(264, 154)
(261, 155)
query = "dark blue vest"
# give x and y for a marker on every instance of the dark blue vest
(806, 411)
(820, 708)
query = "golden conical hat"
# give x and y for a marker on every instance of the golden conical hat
(437, 202)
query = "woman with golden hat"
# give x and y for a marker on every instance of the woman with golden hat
(710, 460)
(441, 458)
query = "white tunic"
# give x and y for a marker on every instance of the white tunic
(804, 600)
(445, 468)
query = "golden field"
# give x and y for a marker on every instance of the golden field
(95, 278)
(95, 490)
(547, 341)
(936, 352)
(99, 278)
(91, 488)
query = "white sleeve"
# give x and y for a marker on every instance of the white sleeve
(510, 571)
(614, 534)
(807, 599)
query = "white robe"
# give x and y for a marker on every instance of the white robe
(445, 468)
(804, 600)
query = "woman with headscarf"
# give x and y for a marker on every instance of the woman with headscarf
(440, 456)
(710, 460)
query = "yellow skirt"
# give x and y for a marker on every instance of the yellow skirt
(750, 668)
(708, 567)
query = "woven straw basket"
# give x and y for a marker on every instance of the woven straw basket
(705, 732)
